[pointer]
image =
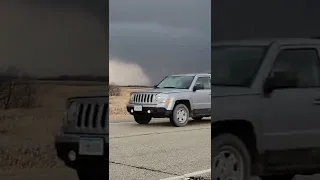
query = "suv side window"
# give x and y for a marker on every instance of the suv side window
(303, 62)
(206, 81)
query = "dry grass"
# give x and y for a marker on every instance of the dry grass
(26, 135)
(118, 103)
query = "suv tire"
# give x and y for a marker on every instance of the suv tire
(87, 174)
(180, 115)
(229, 150)
(197, 118)
(142, 119)
(282, 177)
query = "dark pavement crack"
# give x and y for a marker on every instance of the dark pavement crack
(144, 168)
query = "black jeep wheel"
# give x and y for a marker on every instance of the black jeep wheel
(142, 119)
(92, 174)
(180, 115)
(230, 158)
(282, 177)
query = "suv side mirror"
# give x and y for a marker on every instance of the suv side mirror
(280, 80)
(198, 87)
(155, 86)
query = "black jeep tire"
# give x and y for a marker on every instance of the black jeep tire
(282, 177)
(142, 119)
(226, 146)
(92, 174)
(180, 115)
(197, 118)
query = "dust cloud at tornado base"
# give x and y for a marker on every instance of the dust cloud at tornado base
(122, 73)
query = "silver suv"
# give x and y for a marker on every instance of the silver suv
(177, 97)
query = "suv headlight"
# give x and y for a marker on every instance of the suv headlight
(162, 98)
(131, 96)
(71, 113)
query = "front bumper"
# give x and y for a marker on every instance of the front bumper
(65, 143)
(156, 112)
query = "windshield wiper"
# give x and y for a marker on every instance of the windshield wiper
(169, 87)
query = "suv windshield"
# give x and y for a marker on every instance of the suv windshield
(235, 65)
(177, 82)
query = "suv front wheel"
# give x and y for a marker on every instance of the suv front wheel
(142, 119)
(180, 115)
(230, 158)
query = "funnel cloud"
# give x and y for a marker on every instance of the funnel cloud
(123, 73)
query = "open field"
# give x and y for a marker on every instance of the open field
(26, 135)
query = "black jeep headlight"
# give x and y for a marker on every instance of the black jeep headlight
(71, 113)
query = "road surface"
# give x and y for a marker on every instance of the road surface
(146, 152)
(158, 150)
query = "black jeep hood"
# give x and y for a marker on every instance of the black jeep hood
(91, 95)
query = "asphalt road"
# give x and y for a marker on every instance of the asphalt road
(146, 152)
(157, 150)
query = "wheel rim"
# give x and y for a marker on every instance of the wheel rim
(228, 165)
(182, 115)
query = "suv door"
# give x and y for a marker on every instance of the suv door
(291, 116)
(201, 99)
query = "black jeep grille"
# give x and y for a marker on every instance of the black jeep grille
(92, 115)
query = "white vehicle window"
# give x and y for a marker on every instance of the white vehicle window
(206, 81)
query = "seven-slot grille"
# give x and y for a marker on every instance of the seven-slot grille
(92, 115)
(143, 97)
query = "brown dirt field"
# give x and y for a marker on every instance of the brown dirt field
(26, 135)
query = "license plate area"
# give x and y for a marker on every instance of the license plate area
(91, 146)
(137, 108)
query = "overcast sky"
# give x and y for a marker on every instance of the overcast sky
(159, 37)
(233, 19)
(156, 37)
(54, 37)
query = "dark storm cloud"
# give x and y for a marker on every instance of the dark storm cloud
(233, 19)
(54, 37)
(174, 13)
(163, 37)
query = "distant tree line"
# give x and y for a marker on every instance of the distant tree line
(15, 89)
(18, 90)
(75, 78)
(15, 73)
